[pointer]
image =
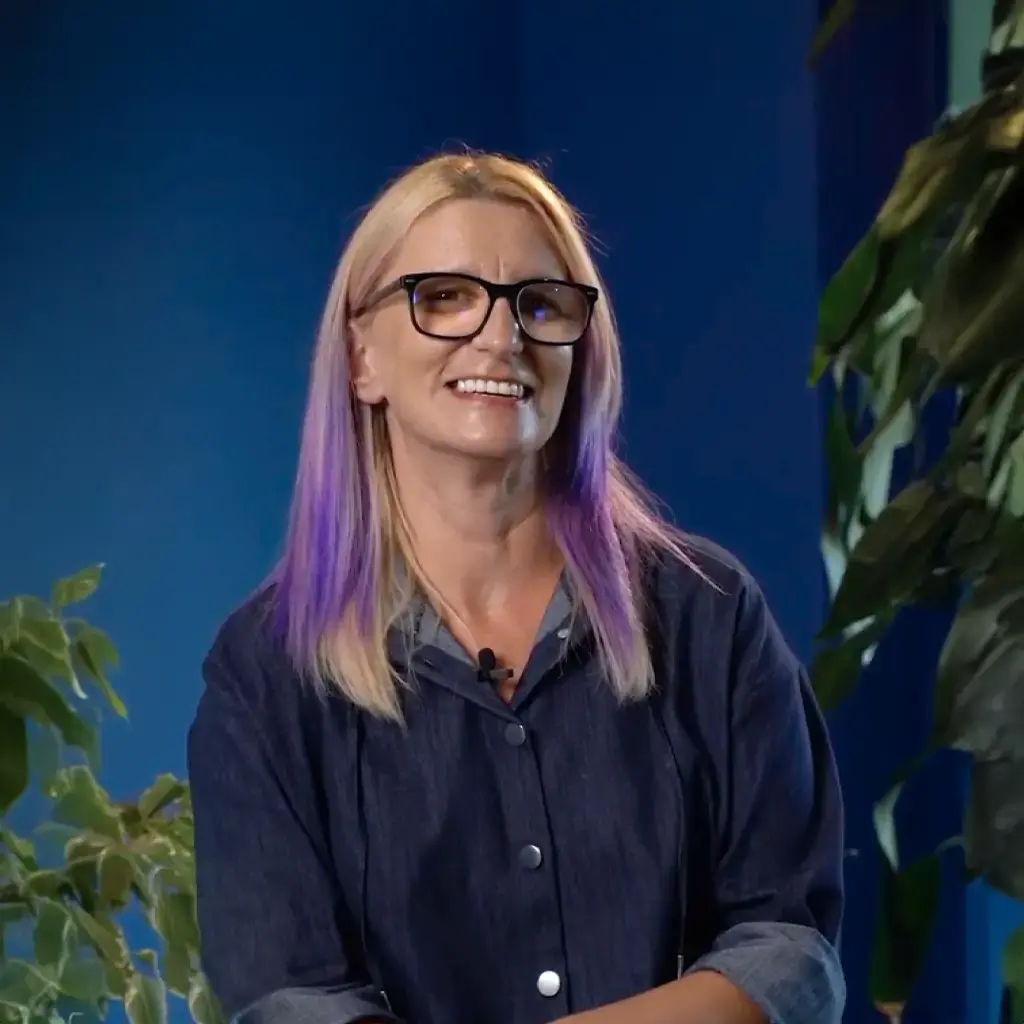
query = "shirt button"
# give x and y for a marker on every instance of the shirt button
(563, 634)
(549, 984)
(515, 734)
(530, 857)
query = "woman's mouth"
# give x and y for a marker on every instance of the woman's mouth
(487, 387)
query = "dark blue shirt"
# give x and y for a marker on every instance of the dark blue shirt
(512, 864)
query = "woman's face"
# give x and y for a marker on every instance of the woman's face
(434, 390)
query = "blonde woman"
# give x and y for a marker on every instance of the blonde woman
(495, 744)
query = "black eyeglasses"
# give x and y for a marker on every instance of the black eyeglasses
(455, 307)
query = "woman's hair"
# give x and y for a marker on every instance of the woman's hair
(349, 570)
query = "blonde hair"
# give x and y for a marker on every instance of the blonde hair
(349, 568)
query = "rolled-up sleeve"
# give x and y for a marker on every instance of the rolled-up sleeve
(778, 871)
(277, 943)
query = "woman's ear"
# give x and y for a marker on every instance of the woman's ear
(366, 381)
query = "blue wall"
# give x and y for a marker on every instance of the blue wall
(178, 179)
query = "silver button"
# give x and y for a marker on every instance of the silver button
(530, 857)
(563, 634)
(549, 984)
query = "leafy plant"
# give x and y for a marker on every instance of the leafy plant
(63, 910)
(927, 310)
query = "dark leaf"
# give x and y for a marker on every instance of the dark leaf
(975, 306)
(994, 829)
(838, 15)
(894, 556)
(76, 588)
(836, 669)
(842, 302)
(25, 692)
(10, 622)
(841, 458)
(979, 702)
(13, 758)
(908, 904)
(1012, 963)
(1004, 422)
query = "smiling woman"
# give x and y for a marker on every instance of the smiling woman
(495, 743)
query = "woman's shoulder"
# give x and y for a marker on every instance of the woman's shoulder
(709, 579)
(247, 656)
(711, 612)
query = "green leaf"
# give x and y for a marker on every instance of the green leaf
(835, 20)
(25, 692)
(10, 622)
(116, 876)
(842, 302)
(836, 669)
(53, 935)
(908, 907)
(177, 972)
(1004, 413)
(83, 802)
(73, 589)
(45, 751)
(44, 644)
(979, 703)
(994, 827)
(164, 791)
(92, 654)
(13, 759)
(104, 936)
(84, 979)
(175, 919)
(145, 1000)
(884, 819)
(201, 1002)
(974, 305)
(1012, 969)
(21, 983)
(841, 457)
(893, 557)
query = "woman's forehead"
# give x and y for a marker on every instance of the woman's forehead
(482, 236)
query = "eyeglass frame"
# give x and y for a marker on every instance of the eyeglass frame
(511, 292)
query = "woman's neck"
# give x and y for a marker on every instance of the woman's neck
(479, 532)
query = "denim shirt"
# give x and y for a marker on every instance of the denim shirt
(492, 863)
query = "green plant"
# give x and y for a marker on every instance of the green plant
(65, 895)
(930, 305)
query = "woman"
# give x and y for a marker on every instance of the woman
(496, 745)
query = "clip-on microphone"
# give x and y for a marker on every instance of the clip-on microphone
(488, 670)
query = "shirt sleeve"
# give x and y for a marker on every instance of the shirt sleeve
(276, 943)
(779, 858)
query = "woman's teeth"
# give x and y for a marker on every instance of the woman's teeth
(480, 386)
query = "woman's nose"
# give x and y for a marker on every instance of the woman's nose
(501, 332)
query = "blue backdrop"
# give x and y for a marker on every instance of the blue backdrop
(177, 182)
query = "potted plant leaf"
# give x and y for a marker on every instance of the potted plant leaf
(930, 307)
(66, 893)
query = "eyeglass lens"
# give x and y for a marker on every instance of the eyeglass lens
(454, 307)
